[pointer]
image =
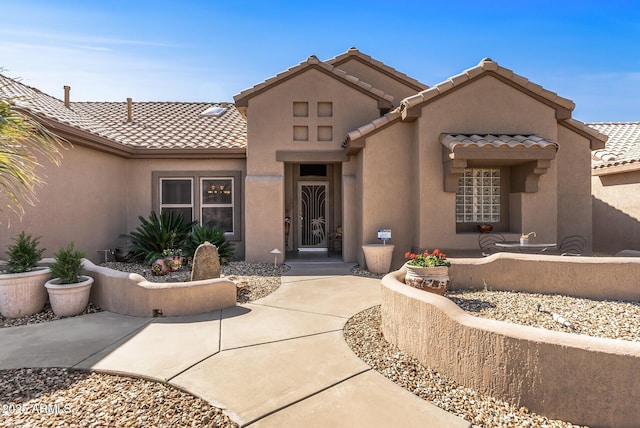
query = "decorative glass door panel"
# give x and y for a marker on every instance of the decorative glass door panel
(312, 204)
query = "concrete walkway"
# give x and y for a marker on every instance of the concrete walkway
(279, 361)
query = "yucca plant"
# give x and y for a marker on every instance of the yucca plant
(202, 234)
(157, 234)
(24, 255)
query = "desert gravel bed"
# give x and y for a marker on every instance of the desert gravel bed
(364, 335)
(61, 397)
(598, 318)
(94, 399)
(55, 397)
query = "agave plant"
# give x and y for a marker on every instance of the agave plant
(157, 234)
(202, 234)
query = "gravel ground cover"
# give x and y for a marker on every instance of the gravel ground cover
(61, 397)
(55, 397)
(94, 399)
(364, 335)
(598, 318)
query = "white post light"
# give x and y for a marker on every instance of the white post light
(275, 253)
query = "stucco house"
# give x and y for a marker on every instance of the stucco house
(347, 145)
(616, 188)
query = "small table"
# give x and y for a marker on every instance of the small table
(525, 248)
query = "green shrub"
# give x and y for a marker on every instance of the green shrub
(156, 234)
(67, 265)
(202, 234)
(24, 255)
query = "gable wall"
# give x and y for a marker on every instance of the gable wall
(378, 80)
(485, 106)
(411, 155)
(271, 128)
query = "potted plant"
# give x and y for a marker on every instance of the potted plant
(22, 281)
(68, 290)
(427, 271)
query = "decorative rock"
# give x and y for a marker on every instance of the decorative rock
(206, 262)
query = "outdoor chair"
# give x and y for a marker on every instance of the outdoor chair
(572, 245)
(487, 243)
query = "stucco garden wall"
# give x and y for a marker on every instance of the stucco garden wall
(572, 377)
(130, 294)
(84, 200)
(616, 212)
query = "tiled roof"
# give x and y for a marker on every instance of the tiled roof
(623, 146)
(353, 52)
(312, 61)
(485, 65)
(154, 125)
(452, 141)
(168, 125)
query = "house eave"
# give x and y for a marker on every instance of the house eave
(617, 169)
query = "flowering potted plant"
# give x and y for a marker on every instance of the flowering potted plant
(427, 271)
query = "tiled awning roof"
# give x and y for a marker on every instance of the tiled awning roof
(453, 141)
(622, 148)
(533, 152)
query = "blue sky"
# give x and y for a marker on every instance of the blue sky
(587, 51)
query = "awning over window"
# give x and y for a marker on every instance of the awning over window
(530, 153)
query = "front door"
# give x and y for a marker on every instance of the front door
(312, 224)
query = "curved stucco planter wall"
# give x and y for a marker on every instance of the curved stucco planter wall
(572, 377)
(131, 294)
(615, 278)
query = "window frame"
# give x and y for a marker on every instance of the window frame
(163, 205)
(498, 226)
(196, 184)
(228, 205)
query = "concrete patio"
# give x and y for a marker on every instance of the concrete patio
(274, 362)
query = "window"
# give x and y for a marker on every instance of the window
(217, 203)
(478, 199)
(176, 196)
(209, 197)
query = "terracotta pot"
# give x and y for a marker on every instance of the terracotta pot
(433, 279)
(484, 228)
(23, 294)
(378, 257)
(159, 267)
(68, 300)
